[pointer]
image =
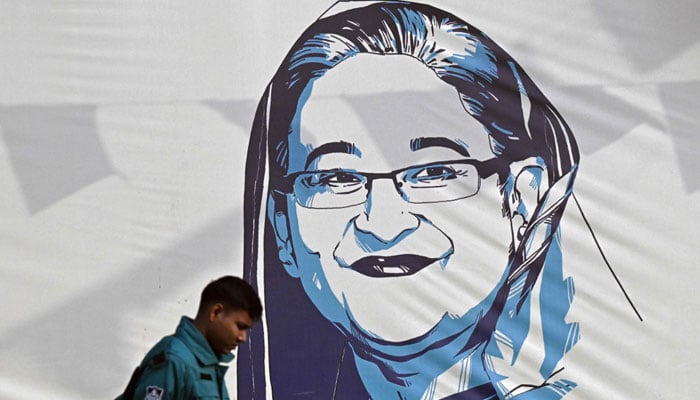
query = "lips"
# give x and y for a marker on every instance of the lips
(391, 266)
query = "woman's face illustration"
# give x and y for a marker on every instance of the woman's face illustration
(395, 266)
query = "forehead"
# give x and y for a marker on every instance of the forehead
(382, 105)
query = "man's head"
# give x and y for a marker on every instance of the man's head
(227, 309)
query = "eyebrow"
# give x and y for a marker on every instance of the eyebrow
(332, 147)
(424, 142)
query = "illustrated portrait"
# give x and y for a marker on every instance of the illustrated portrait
(431, 199)
(405, 183)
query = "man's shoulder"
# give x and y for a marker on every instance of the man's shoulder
(171, 349)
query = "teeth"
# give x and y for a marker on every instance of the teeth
(391, 270)
(394, 270)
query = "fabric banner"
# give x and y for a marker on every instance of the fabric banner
(436, 200)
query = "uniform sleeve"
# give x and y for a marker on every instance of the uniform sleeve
(166, 380)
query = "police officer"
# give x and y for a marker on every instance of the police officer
(186, 365)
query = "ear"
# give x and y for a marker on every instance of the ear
(530, 184)
(277, 214)
(215, 311)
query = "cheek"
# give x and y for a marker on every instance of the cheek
(232, 334)
(320, 231)
(218, 338)
(477, 227)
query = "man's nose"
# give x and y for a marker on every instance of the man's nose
(243, 336)
(386, 216)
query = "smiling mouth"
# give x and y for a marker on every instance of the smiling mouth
(391, 266)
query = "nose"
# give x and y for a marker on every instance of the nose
(386, 217)
(243, 336)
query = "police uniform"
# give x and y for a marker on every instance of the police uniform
(180, 367)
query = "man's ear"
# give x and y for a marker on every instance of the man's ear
(215, 311)
(277, 214)
(530, 184)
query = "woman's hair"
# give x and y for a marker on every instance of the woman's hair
(493, 88)
(491, 85)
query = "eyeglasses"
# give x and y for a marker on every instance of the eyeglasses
(435, 182)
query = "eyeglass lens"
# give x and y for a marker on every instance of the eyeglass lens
(434, 183)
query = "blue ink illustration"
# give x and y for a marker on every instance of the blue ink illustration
(405, 183)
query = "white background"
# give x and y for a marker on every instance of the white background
(123, 129)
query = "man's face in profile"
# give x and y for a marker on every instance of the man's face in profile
(403, 250)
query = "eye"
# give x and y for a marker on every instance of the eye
(329, 182)
(342, 178)
(431, 173)
(331, 179)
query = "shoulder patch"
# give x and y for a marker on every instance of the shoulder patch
(154, 393)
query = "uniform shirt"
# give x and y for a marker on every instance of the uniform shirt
(182, 366)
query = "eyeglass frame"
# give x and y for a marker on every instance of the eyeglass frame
(484, 169)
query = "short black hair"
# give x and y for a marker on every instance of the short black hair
(234, 293)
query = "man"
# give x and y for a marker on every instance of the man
(414, 183)
(186, 365)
